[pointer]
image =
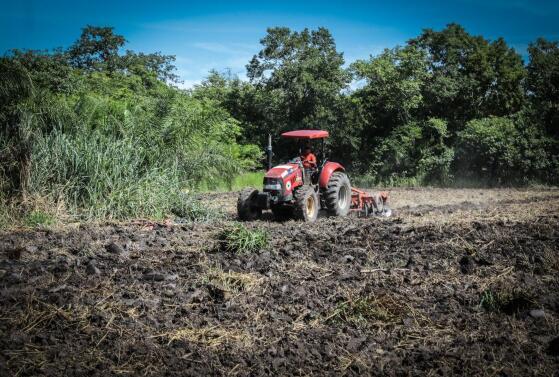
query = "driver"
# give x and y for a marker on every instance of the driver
(308, 158)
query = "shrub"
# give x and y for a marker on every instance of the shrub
(415, 154)
(500, 150)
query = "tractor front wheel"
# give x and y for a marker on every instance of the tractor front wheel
(338, 194)
(306, 204)
(246, 209)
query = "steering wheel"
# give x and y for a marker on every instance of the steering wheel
(296, 160)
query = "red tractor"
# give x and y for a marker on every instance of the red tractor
(299, 188)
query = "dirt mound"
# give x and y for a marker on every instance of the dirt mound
(344, 296)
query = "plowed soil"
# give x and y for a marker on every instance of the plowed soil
(457, 282)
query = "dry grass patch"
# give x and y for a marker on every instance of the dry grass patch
(362, 311)
(230, 281)
(210, 337)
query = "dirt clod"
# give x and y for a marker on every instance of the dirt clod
(537, 313)
(114, 248)
(467, 264)
(553, 347)
(92, 269)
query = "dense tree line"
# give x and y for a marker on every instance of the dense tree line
(106, 132)
(447, 107)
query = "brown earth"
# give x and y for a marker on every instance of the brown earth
(462, 282)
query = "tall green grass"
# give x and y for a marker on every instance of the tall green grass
(250, 179)
(109, 153)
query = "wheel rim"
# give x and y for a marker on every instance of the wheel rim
(310, 206)
(343, 197)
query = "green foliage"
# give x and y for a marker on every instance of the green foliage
(114, 144)
(97, 49)
(414, 154)
(394, 82)
(115, 164)
(500, 150)
(298, 76)
(250, 179)
(543, 83)
(240, 239)
(403, 125)
(471, 76)
(489, 301)
(253, 179)
(38, 218)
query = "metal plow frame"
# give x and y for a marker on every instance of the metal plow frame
(366, 204)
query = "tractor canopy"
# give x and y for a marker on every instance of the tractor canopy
(305, 134)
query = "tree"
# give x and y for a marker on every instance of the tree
(543, 83)
(45, 69)
(505, 94)
(504, 150)
(472, 77)
(393, 87)
(298, 76)
(415, 152)
(97, 49)
(391, 97)
(154, 66)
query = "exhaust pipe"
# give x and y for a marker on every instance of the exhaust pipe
(269, 151)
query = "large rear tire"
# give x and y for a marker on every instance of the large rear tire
(338, 194)
(306, 204)
(246, 209)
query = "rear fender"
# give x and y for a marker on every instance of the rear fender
(326, 173)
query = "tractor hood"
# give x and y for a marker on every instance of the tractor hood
(281, 171)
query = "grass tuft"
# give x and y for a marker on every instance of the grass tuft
(38, 218)
(364, 310)
(508, 302)
(240, 239)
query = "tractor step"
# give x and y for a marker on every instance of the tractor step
(367, 204)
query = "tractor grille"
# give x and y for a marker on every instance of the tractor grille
(273, 184)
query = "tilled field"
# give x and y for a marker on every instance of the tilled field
(465, 283)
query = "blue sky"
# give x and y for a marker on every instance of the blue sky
(225, 34)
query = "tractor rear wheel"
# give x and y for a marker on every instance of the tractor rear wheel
(246, 209)
(306, 204)
(338, 194)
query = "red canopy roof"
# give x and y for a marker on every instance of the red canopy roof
(306, 134)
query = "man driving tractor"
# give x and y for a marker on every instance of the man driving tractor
(308, 158)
